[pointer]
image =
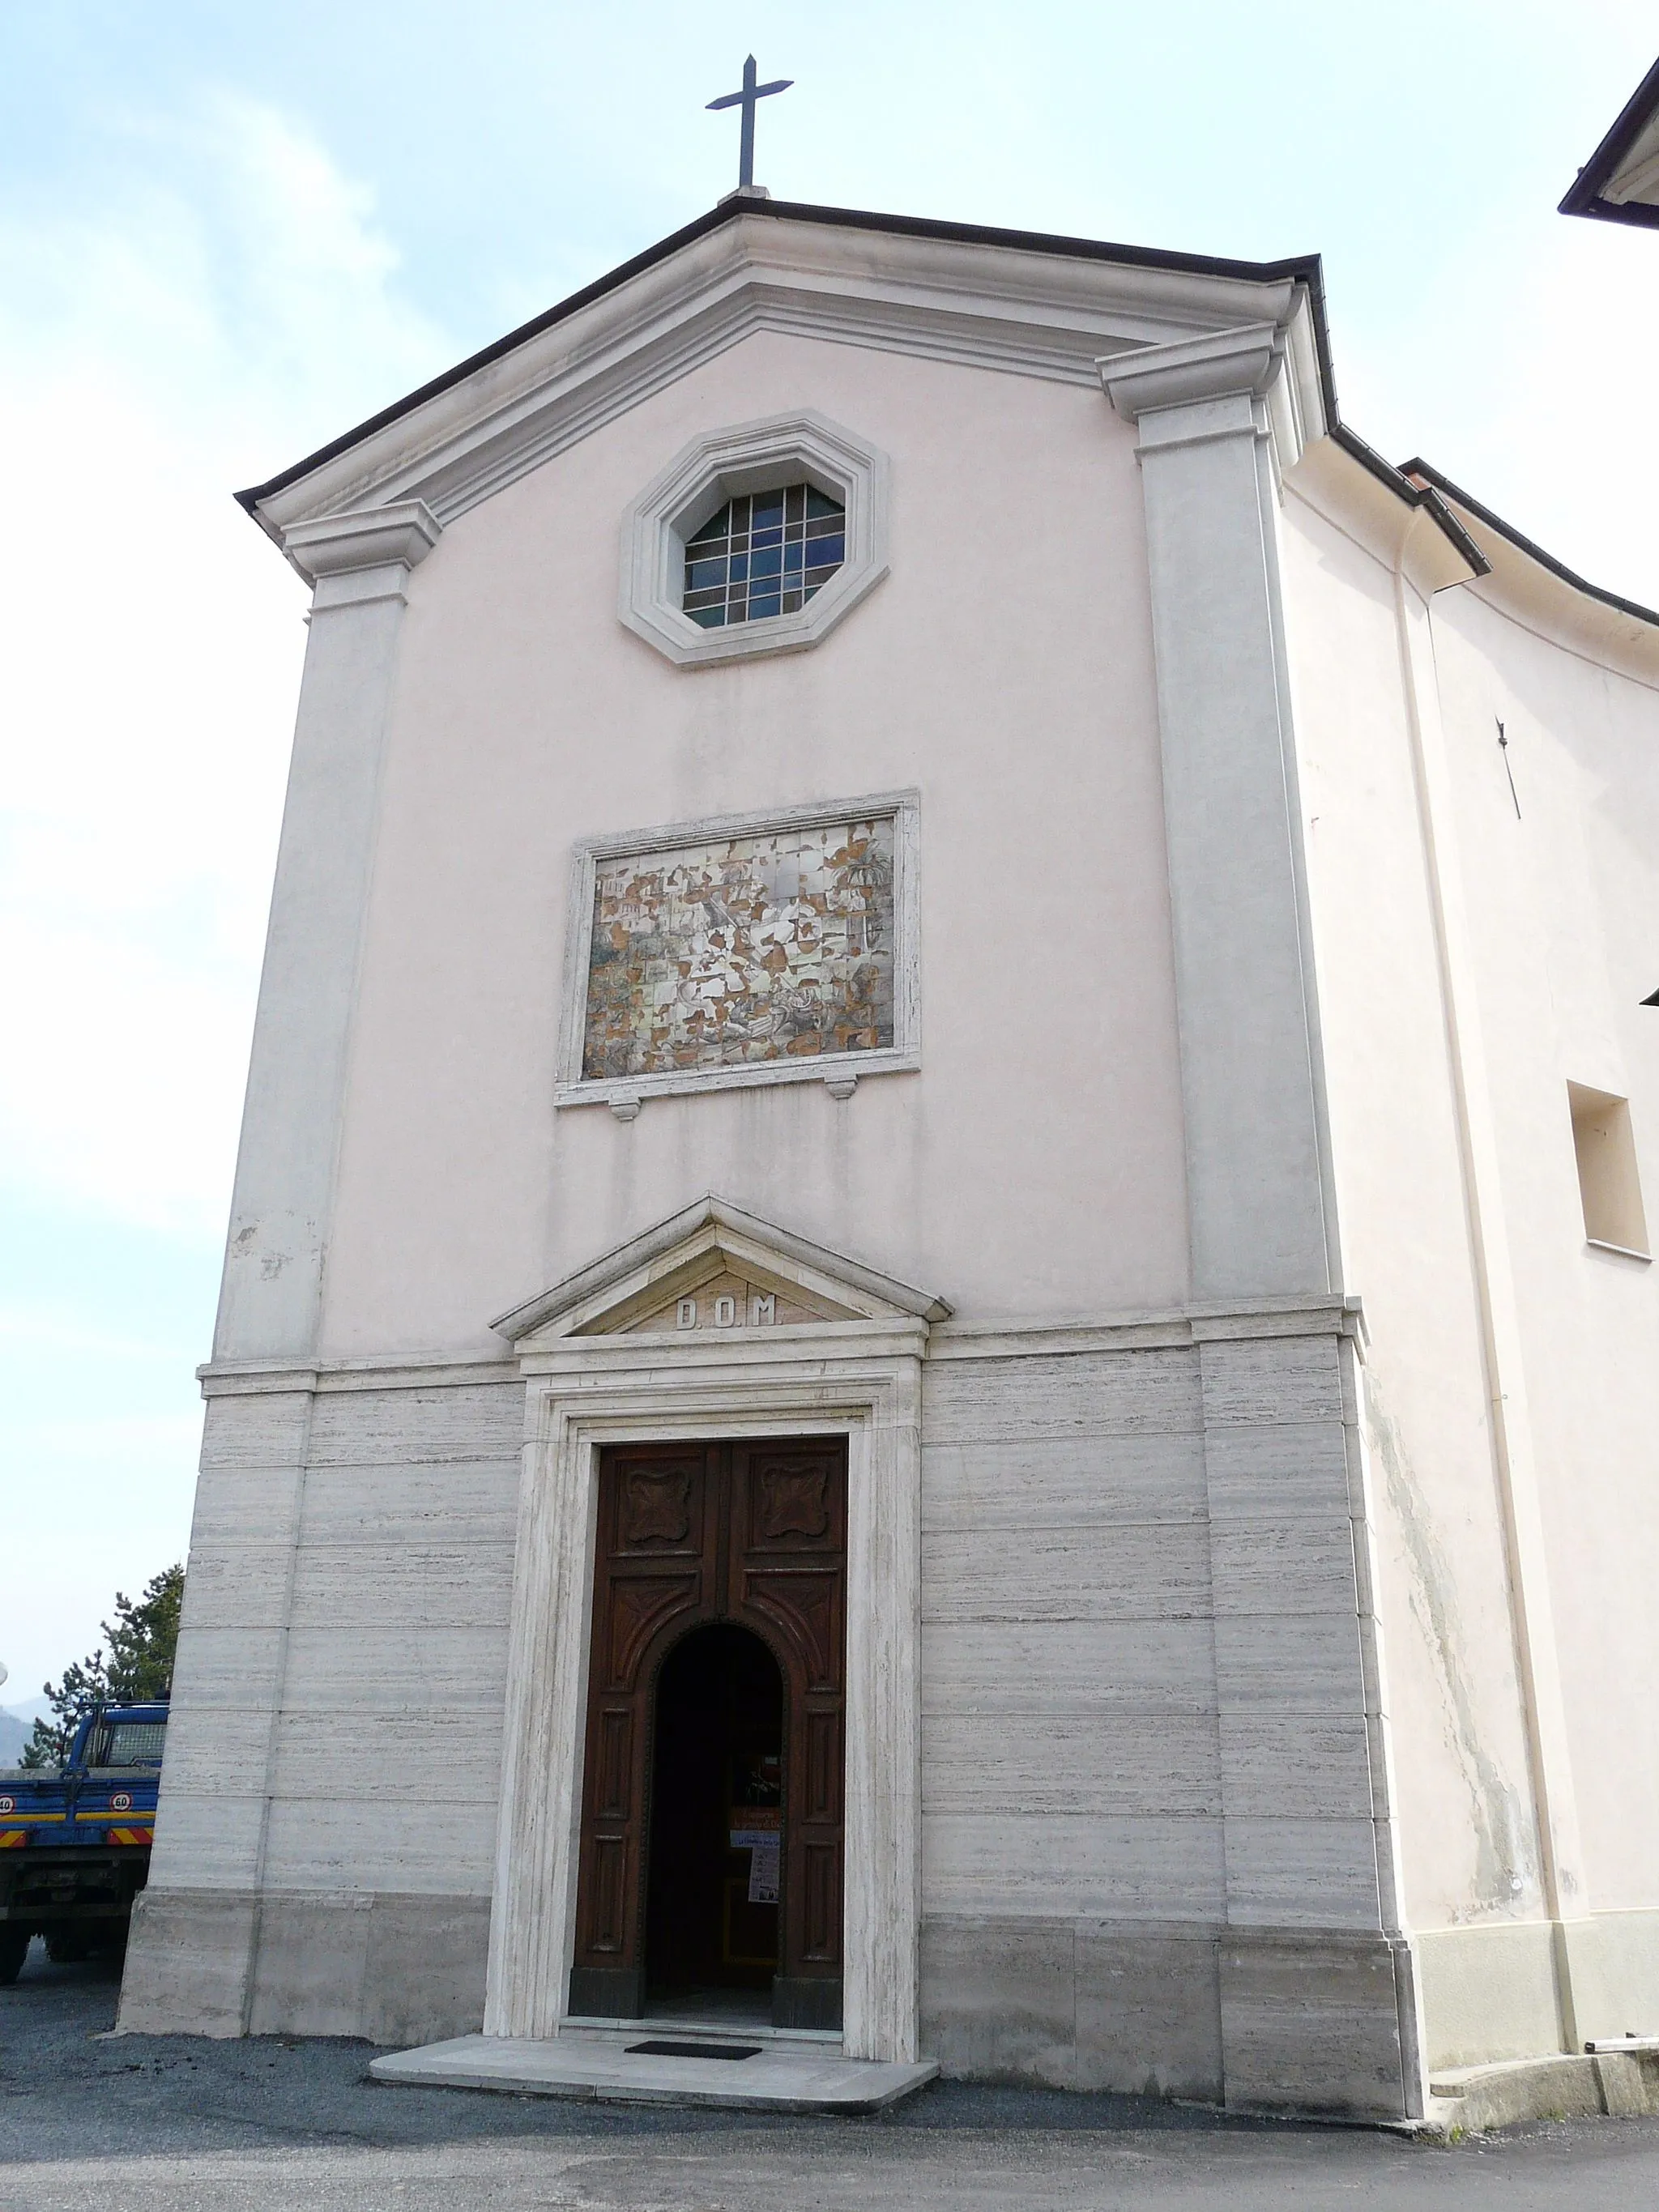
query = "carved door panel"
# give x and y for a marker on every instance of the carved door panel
(657, 1555)
(788, 1581)
(756, 1534)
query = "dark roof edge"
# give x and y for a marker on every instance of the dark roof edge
(1584, 195)
(608, 282)
(1444, 485)
(1421, 495)
(1304, 268)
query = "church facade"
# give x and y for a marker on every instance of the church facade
(937, 1311)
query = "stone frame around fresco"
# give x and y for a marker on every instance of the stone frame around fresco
(902, 808)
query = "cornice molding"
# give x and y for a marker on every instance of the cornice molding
(363, 553)
(1158, 1327)
(978, 306)
(1233, 383)
(1214, 366)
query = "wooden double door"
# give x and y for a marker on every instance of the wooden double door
(716, 1721)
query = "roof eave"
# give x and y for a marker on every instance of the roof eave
(1303, 269)
(1435, 481)
(1583, 196)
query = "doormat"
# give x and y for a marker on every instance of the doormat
(693, 2050)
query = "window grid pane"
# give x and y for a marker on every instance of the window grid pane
(765, 553)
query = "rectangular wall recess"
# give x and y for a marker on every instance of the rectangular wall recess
(1607, 1180)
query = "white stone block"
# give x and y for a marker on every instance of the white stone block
(1301, 1873)
(466, 1501)
(393, 1757)
(1082, 1395)
(1137, 1571)
(438, 1846)
(257, 1428)
(241, 1505)
(209, 1841)
(406, 1667)
(1272, 1565)
(1136, 1764)
(1306, 1660)
(217, 1748)
(405, 1590)
(1068, 1667)
(1278, 1468)
(403, 1428)
(238, 1586)
(1275, 1378)
(1295, 1765)
(226, 1667)
(1057, 1866)
(1063, 1481)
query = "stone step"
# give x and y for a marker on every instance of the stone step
(774, 2076)
(1557, 2086)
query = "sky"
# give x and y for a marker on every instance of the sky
(228, 232)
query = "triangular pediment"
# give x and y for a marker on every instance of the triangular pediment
(1045, 307)
(713, 1270)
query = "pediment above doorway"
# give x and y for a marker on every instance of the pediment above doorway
(714, 1271)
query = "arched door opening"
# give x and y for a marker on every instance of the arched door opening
(716, 1704)
(712, 1891)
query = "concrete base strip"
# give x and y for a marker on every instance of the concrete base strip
(1564, 2086)
(776, 2078)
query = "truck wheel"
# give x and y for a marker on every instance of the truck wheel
(68, 1947)
(13, 1949)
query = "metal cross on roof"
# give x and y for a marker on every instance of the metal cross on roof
(752, 91)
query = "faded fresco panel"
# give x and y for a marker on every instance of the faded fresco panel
(773, 946)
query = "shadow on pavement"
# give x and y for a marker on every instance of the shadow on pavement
(70, 2093)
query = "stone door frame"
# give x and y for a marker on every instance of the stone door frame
(704, 1555)
(861, 1380)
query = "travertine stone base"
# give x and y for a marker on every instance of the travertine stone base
(1317, 2022)
(1117, 1729)
(1259, 2021)
(391, 1967)
(1074, 2003)
(188, 1960)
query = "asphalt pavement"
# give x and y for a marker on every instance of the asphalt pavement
(178, 2124)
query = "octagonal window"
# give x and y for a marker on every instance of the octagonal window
(765, 553)
(758, 539)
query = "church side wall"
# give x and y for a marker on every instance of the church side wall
(1568, 894)
(1531, 926)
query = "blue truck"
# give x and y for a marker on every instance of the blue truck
(75, 1840)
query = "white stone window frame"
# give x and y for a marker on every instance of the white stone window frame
(751, 457)
(840, 1071)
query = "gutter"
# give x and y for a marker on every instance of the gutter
(1584, 195)
(1432, 483)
